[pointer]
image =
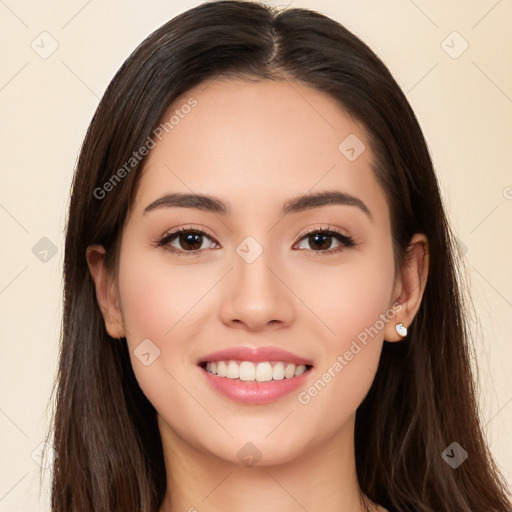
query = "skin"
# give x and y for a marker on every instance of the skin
(254, 146)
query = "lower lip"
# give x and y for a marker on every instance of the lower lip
(248, 392)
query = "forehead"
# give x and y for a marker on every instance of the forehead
(233, 138)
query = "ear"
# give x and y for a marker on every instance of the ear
(409, 285)
(106, 291)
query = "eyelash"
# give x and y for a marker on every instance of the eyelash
(346, 241)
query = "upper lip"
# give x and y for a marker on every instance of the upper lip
(255, 355)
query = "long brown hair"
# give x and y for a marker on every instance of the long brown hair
(108, 452)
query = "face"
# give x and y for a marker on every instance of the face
(267, 279)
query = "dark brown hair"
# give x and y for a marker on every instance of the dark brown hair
(106, 440)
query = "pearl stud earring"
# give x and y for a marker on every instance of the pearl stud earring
(401, 329)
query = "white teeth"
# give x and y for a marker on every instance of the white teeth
(263, 372)
(278, 371)
(221, 368)
(290, 371)
(260, 372)
(233, 371)
(300, 370)
(247, 370)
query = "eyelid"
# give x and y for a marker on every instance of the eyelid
(186, 228)
(321, 227)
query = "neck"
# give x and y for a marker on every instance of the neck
(322, 477)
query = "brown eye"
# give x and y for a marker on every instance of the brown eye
(189, 241)
(321, 241)
(184, 241)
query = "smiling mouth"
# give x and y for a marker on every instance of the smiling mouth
(248, 371)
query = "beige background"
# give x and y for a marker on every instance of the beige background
(464, 105)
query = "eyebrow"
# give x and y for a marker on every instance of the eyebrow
(294, 205)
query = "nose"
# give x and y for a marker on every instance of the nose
(257, 296)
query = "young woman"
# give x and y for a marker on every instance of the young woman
(261, 301)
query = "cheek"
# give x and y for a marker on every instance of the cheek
(154, 299)
(355, 305)
(349, 299)
(158, 304)
(363, 298)
(157, 295)
(145, 312)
